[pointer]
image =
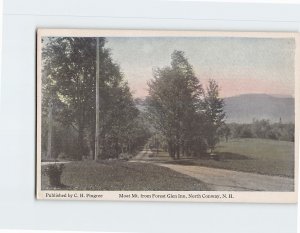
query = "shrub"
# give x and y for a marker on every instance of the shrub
(151, 155)
(263, 129)
(54, 172)
(63, 156)
(125, 156)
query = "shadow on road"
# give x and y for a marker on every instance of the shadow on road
(219, 157)
(225, 156)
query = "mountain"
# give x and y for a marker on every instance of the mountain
(245, 108)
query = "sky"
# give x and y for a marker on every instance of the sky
(239, 65)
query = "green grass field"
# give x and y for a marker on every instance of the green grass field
(261, 156)
(120, 175)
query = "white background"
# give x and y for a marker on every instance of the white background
(18, 207)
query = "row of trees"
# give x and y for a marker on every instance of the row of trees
(68, 101)
(179, 114)
(262, 129)
(181, 111)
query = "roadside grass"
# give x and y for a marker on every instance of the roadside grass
(263, 156)
(121, 175)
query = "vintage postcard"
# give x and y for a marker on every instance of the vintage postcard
(190, 116)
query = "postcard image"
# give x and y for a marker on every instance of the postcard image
(189, 116)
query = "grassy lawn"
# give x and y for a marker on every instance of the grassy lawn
(262, 156)
(120, 175)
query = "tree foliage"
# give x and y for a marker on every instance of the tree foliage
(263, 129)
(177, 108)
(186, 118)
(214, 114)
(69, 70)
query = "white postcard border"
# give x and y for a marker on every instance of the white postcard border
(181, 196)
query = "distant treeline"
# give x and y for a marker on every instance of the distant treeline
(261, 129)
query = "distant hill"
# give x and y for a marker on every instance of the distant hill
(244, 108)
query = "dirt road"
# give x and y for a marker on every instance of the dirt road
(225, 180)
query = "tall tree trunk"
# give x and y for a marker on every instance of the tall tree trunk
(81, 126)
(177, 151)
(89, 143)
(171, 150)
(80, 142)
(49, 145)
(97, 125)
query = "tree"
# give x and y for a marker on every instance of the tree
(69, 70)
(69, 63)
(224, 131)
(174, 104)
(261, 128)
(214, 112)
(119, 121)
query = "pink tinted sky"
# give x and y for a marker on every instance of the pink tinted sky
(239, 65)
(232, 87)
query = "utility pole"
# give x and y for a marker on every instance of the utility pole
(49, 145)
(97, 102)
